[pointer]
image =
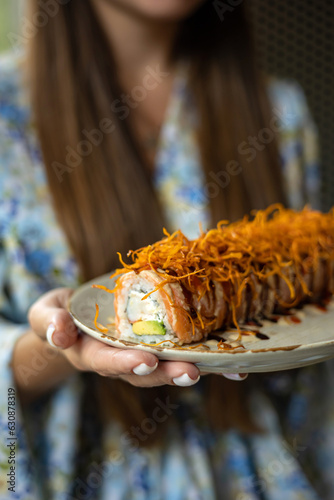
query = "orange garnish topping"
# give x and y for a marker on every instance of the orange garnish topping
(97, 325)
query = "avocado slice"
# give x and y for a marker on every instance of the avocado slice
(148, 328)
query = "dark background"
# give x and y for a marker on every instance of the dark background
(295, 39)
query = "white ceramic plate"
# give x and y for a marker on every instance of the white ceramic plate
(291, 344)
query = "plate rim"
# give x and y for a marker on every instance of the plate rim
(82, 288)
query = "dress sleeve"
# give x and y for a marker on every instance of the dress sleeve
(298, 141)
(43, 440)
(15, 459)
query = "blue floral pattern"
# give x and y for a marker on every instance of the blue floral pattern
(193, 462)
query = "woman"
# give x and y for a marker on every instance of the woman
(144, 114)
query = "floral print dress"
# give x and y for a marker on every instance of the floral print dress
(293, 460)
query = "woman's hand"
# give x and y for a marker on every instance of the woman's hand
(51, 321)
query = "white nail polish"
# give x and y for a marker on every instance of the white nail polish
(144, 369)
(184, 380)
(49, 333)
(235, 376)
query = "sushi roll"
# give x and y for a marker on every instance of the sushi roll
(180, 290)
(150, 312)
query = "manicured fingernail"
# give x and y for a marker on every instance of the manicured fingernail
(144, 369)
(235, 376)
(184, 380)
(49, 335)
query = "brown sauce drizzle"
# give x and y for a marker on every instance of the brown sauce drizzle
(254, 322)
(212, 336)
(274, 319)
(295, 319)
(287, 348)
(261, 336)
(256, 333)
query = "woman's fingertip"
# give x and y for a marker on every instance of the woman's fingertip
(144, 369)
(185, 381)
(235, 376)
(73, 330)
(50, 335)
(63, 322)
(58, 338)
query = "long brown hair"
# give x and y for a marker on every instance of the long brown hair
(107, 203)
